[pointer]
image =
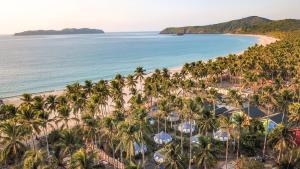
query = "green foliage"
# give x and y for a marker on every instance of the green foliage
(252, 24)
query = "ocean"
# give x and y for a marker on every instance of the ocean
(30, 64)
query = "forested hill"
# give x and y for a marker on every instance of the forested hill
(61, 32)
(252, 24)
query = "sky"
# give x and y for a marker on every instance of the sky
(134, 15)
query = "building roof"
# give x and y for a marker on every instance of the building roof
(255, 112)
(221, 110)
(277, 118)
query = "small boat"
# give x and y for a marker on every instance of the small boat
(180, 34)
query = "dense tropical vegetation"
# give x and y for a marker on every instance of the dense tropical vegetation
(250, 25)
(114, 117)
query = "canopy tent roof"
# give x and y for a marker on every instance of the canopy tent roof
(277, 118)
(162, 138)
(186, 127)
(139, 149)
(195, 139)
(220, 110)
(173, 117)
(255, 112)
(221, 135)
(159, 157)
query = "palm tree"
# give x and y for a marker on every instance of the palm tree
(131, 82)
(127, 135)
(90, 128)
(139, 75)
(173, 157)
(88, 86)
(205, 154)
(206, 121)
(28, 117)
(164, 109)
(281, 139)
(26, 98)
(82, 160)
(227, 124)
(34, 159)
(64, 115)
(7, 112)
(239, 121)
(190, 109)
(12, 137)
(268, 99)
(140, 117)
(235, 98)
(45, 122)
(294, 116)
(214, 96)
(51, 103)
(107, 132)
(68, 141)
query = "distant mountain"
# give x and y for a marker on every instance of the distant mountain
(252, 24)
(60, 32)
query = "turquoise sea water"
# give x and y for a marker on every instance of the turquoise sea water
(43, 63)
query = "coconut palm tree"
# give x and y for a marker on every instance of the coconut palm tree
(51, 103)
(140, 118)
(139, 75)
(28, 117)
(7, 112)
(131, 82)
(173, 157)
(127, 135)
(82, 160)
(226, 123)
(107, 130)
(35, 159)
(64, 112)
(26, 98)
(11, 139)
(90, 127)
(294, 116)
(88, 87)
(45, 122)
(206, 121)
(240, 121)
(205, 153)
(281, 139)
(69, 141)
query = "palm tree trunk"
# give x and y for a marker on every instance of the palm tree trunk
(190, 160)
(165, 124)
(238, 149)
(158, 125)
(143, 153)
(181, 141)
(226, 161)
(47, 143)
(265, 140)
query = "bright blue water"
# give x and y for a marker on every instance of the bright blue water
(43, 63)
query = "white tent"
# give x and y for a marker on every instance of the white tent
(195, 139)
(173, 117)
(221, 135)
(186, 127)
(162, 138)
(139, 149)
(158, 157)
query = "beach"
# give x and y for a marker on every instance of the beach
(262, 40)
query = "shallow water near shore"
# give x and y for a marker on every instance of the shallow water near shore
(44, 63)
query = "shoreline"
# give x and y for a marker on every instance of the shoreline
(15, 100)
